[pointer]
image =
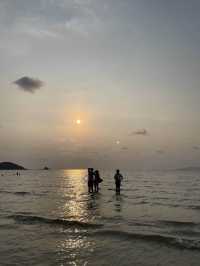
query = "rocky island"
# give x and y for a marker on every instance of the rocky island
(10, 166)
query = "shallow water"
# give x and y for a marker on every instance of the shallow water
(48, 218)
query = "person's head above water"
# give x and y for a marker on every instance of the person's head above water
(117, 171)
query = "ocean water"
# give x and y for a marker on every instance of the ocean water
(49, 218)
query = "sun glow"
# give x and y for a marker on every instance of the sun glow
(78, 121)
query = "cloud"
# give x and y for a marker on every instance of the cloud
(124, 148)
(142, 132)
(196, 148)
(29, 84)
(160, 151)
(44, 18)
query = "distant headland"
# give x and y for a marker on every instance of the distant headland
(10, 166)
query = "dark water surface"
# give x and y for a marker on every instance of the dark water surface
(48, 218)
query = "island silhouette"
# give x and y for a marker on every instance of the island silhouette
(10, 166)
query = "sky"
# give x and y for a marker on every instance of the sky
(128, 70)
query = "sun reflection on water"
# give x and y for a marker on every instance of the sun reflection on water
(75, 250)
(74, 189)
(76, 205)
(70, 250)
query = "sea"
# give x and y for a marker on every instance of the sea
(49, 218)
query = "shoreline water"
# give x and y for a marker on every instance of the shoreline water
(48, 218)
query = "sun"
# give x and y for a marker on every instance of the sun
(78, 121)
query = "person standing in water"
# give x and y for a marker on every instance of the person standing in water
(90, 179)
(118, 178)
(97, 180)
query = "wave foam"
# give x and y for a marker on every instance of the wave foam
(181, 243)
(27, 219)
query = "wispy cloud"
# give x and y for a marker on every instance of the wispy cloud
(124, 148)
(142, 132)
(43, 18)
(29, 84)
(160, 152)
(196, 147)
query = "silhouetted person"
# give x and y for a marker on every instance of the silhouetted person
(118, 178)
(90, 179)
(97, 180)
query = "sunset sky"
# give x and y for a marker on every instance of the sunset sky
(128, 70)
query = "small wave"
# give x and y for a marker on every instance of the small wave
(194, 207)
(160, 198)
(28, 219)
(187, 233)
(5, 192)
(19, 193)
(166, 204)
(7, 226)
(141, 224)
(130, 189)
(142, 202)
(22, 193)
(178, 223)
(181, 243)
(137, 197)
